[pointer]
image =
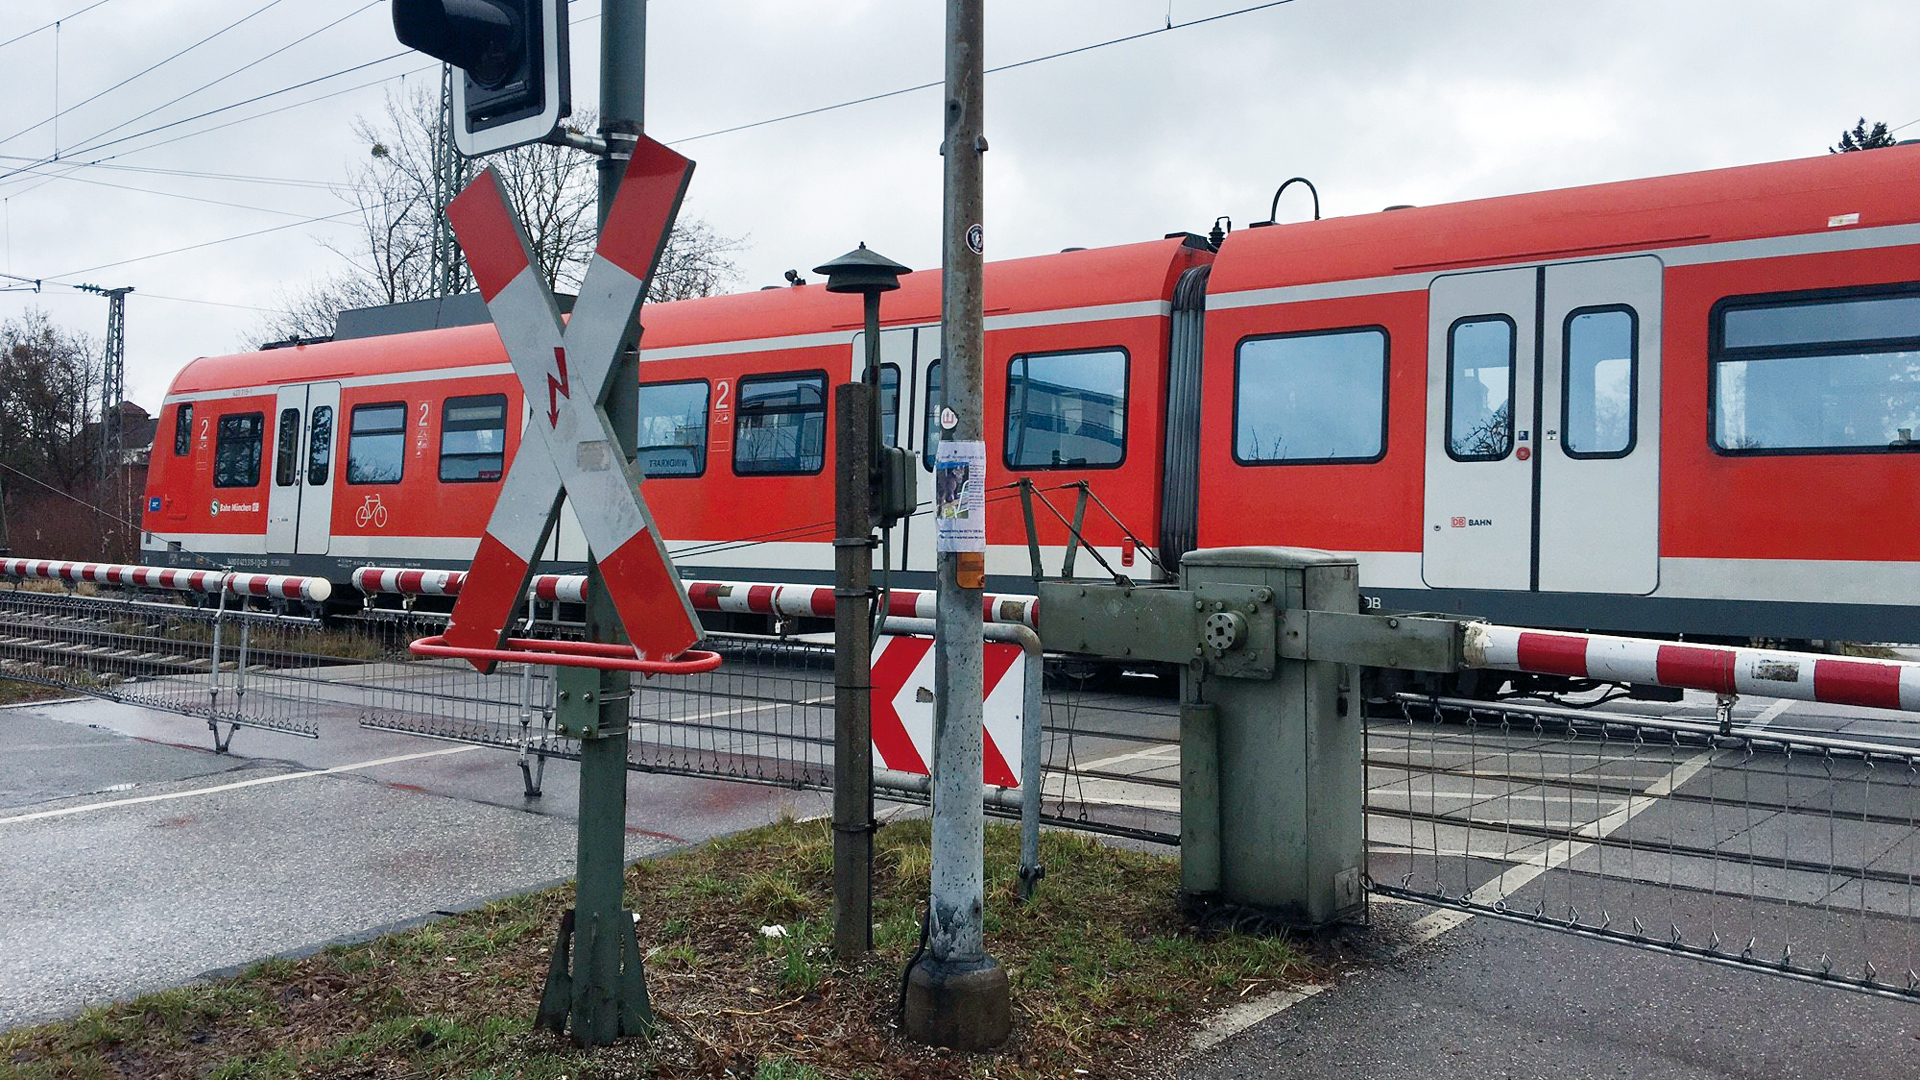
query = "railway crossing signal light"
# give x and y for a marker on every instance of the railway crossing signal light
(512, 54)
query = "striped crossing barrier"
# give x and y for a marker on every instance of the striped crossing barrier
(745, 597)
(210, 582)
(1721, 669)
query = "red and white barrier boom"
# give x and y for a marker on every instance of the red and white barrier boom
(747, 597)
(1721, 669)
(209, 582)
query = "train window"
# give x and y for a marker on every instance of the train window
(1067, 410)
(935, 401)
(781, 425)
(473, 439)
(890, 404)
(320, 446)
(1480, 388)
(286, 449)
(1600, 382)
(1311, 398)
(1818, 372)
(183, 429)
(236, 450)
(377, 443)
(673, 428)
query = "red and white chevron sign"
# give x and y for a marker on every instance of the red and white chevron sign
(903, 707)
(566, 371)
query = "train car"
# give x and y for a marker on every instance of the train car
(1683, 404)
(389, 450)
(1677, 405)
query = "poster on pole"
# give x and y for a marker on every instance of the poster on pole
(960, 496)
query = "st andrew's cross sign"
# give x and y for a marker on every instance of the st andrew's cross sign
(566, 371)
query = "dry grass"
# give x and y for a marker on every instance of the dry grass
(1106, 978)
(14, 692)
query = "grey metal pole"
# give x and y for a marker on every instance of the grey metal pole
(956, 994)
(852, 675)
(604, 997)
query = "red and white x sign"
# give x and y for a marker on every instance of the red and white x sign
(566, 371)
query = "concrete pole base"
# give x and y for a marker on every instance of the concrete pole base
(961, 1006)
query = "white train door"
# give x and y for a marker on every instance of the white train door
(1543, 428)
(1482, 357)
(909, 369)
(283, 492)
(300, 498)
(319, 468)
(1600, 444)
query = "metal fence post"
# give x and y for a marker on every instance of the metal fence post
(1032, 781)
(852, 675)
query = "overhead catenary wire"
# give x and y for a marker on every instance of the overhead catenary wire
(1030, 61)
(59, 112)
(227, 108)
(361, 67)
(179, 195)
(82, 147)
(50, 25)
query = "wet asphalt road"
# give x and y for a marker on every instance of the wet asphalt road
(137, 859)
(1490, 999)
(133, 895)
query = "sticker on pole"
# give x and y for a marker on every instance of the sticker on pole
(960, 496)
(902, 703)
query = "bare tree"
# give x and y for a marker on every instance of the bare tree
(47, 380)
(390, 256)
(310, 311)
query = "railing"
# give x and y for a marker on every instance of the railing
(1784, 852)
(764, 717)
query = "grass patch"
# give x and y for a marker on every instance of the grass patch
(1106, 975)
(14, 692)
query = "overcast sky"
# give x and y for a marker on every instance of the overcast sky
(1376, 101)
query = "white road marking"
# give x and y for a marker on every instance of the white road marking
(65, 811)
(1561, 851)
(731, 711)
(1159, 752)
(1768, 715)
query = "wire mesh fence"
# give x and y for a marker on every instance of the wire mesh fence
(222, 664)
(1110, 757)
(1783, 852)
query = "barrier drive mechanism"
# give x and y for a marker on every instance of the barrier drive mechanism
(1270, 814)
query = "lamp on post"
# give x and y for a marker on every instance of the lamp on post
(868, 273)
(862, 467)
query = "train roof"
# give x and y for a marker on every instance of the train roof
(1070, 279)
(1747, 202)
(1881, 187)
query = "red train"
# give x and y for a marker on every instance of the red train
(1684, 404)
